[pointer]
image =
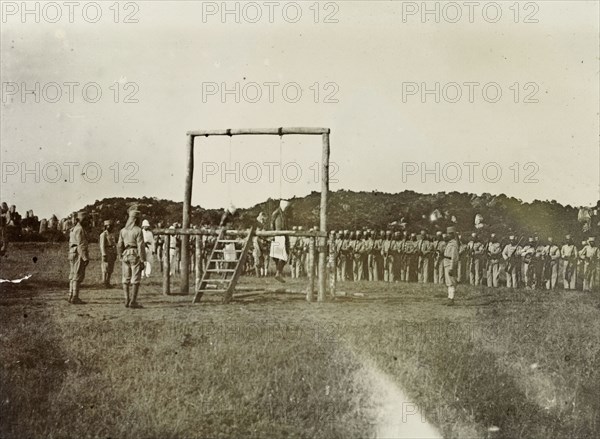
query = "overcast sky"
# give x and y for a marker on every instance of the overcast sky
(361, 68)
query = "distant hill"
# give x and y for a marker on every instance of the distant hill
(378, 210)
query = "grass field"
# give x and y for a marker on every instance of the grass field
(501, 364)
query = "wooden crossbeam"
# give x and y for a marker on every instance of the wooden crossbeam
(261, 233)
(259, 131)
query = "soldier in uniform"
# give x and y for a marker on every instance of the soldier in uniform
(132, 251)
(388, 257)
(527, 255)
(340, 260)
(348, 249)
(378, 255)
(401, 249)
(538, 264)
(425, 251)
(292, 256)
(552, 260)
(463, 261)
(450, 263)
(78, 257)
(569, 254)
(412, 259)
(590, 256)
(494, 253)
(159, 243)
(258, 256)
(345, 257)
(332, 255)
(395, 252)
(439, 244)
(471, 259)
(370, 254)
(359, 252)
(511, 254)
(108, 252)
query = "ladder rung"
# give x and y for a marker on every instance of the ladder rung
(209, 290)
(222, 270)
(209, 281)
(229, 241)
(221, 261)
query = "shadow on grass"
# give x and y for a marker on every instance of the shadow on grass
(32, 369)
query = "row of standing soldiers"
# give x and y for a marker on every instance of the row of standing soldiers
(391, 257)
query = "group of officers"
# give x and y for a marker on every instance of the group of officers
(129, 247)
(399, 256)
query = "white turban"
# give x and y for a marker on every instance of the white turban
(283, 204)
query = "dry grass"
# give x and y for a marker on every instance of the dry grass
(276, 366)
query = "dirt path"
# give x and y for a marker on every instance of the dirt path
(395, 415)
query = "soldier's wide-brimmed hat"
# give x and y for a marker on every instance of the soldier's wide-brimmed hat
(388, 232)
(232, 209)
(358, 233)
(474, 235)
(493, 235)
(346, 232)
(439, 232)
(451, 229)
(145, 223)
(531, 239)
(295, 228)
(511, 237)
(300, 228)
(108, 222)
(413, 234)
(382, 233)
(591, 239)
(568, 236)
(339, 233)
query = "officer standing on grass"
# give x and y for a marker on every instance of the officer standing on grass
(108, 252)
(132, 249)
(450, 263)
(78, 257)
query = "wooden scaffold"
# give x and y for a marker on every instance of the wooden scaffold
(185, 232)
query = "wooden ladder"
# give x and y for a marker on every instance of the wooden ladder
(222, 275)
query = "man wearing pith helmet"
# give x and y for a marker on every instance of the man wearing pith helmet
(132, 251)
(108, 252)
(451, 256)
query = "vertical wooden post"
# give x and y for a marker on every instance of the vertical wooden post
(167, 266)
(323, 225)
(310, 295)
(187, 207)
(198, 263)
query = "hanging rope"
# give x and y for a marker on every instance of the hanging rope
(229, 167)
(280, 164)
